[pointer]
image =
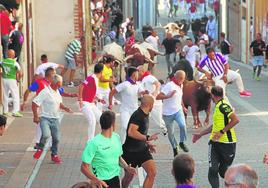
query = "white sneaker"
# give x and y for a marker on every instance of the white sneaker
(71, 84)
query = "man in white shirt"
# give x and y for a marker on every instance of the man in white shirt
(191, 52)
(41, 69)
(129, 91)
(152, 85)
(50, 101)
(173, 110)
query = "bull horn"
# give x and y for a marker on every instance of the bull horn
(128, 57)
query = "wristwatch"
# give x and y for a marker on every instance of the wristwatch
(147, 137)
(222, 131)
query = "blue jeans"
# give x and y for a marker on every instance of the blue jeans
(169, 61)
(4, 43)
(50, 126)
(180, 119)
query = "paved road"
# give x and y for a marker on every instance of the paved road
(251, 132)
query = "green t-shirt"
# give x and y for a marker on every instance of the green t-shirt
(10, 68)
(103, 155)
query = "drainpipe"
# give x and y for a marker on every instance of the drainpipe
(88, 36)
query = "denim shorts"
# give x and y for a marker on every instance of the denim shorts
(258, 60)
(70, 64)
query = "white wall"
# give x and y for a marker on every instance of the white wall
(53, 28)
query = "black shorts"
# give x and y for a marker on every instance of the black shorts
(137, 158)
(113, 183)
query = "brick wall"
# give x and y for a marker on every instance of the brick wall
(78, 28)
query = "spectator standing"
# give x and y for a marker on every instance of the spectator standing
(16, 40)
(242, 176)
(137, 148)
(6, 27)
(3, 121)
(71, 53)
(173, 110)
(87, 97)
(50, 101)
(216, 8)
(222, 140)
(225, 46)
(192, 11)
(257, 47)
(170, 45)
(103, 155)
(183, 169)
(11, 73)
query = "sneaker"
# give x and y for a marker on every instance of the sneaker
(38, 153)
(7, 114)
(164, 131)
(17, 114)
(175, 151)
(56, 159)
(258, 78)
(183, 147)
(245, 94)
(71, 84)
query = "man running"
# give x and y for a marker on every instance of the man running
(87, 96)
(129, 90)
(152, 85)
(219, 71)
(173, 110)
(222, 141)
(137, 148)
(257, 47)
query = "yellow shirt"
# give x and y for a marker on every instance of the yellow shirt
(221, 115)
(107, 73)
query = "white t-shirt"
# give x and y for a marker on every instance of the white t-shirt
(129, 95)
(191, 53)
(172, 105)
(41, 69)
(49, 100)
(148, 83)
(153, 41)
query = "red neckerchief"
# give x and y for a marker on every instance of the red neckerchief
(147, 73)
(175, 81)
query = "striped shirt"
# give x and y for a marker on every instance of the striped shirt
(216, 66)
(73, 48)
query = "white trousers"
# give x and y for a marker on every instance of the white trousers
(103, 94)
(231, 76)
(156, 114)
(124, 119)
(92, 114)
(10, 85)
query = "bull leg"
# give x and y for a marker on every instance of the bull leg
(185, 115)
(206, 123)
(197, 122)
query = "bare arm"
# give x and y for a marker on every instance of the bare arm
(111, 95)
(134, 133)
(35, 114)
(162, 96)
(85, 170)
